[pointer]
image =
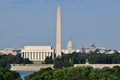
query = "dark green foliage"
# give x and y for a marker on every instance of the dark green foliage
(4, 63)
(26, 61)
(94, 58)
(58, 63)
(77, 73)
(6, 74)
(63, 62)
(68, 60)
(6, 60)
(48, 60)
(39, 75)
(61, 72)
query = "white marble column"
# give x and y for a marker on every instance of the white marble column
(41, 56)
(32, 56)
(50, 54)
(26, 54)
(22, 54)
(38, 56)
(44, 55)
(35, 55)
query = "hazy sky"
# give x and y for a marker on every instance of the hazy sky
(85, 22)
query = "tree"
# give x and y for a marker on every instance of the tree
(6, 74)
(58, 63)
(48, 60)
(77, 73)
(43, 74)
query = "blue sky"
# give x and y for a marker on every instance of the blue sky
(85, 22)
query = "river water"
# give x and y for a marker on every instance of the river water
(23, 74)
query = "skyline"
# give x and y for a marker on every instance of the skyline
(33, 22)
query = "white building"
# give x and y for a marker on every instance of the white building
(8, 51)
(36, 53)
(118, 51)
(101, 50)
(111, 51)
(92, 48)
(69, 48)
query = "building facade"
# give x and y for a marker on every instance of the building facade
(36, 53)
(69, 48)
(9, 51)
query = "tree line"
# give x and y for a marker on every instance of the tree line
(68, 60)
(5, 61)
(76, 73)
(6, 74)
(95, 58)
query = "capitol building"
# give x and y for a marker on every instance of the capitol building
(70, 48)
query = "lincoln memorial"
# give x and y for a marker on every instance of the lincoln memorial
(36, 53)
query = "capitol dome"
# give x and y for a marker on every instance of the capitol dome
(70, 45)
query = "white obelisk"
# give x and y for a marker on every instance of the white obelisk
(58, 33)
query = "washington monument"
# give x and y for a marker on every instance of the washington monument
(58, 33)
